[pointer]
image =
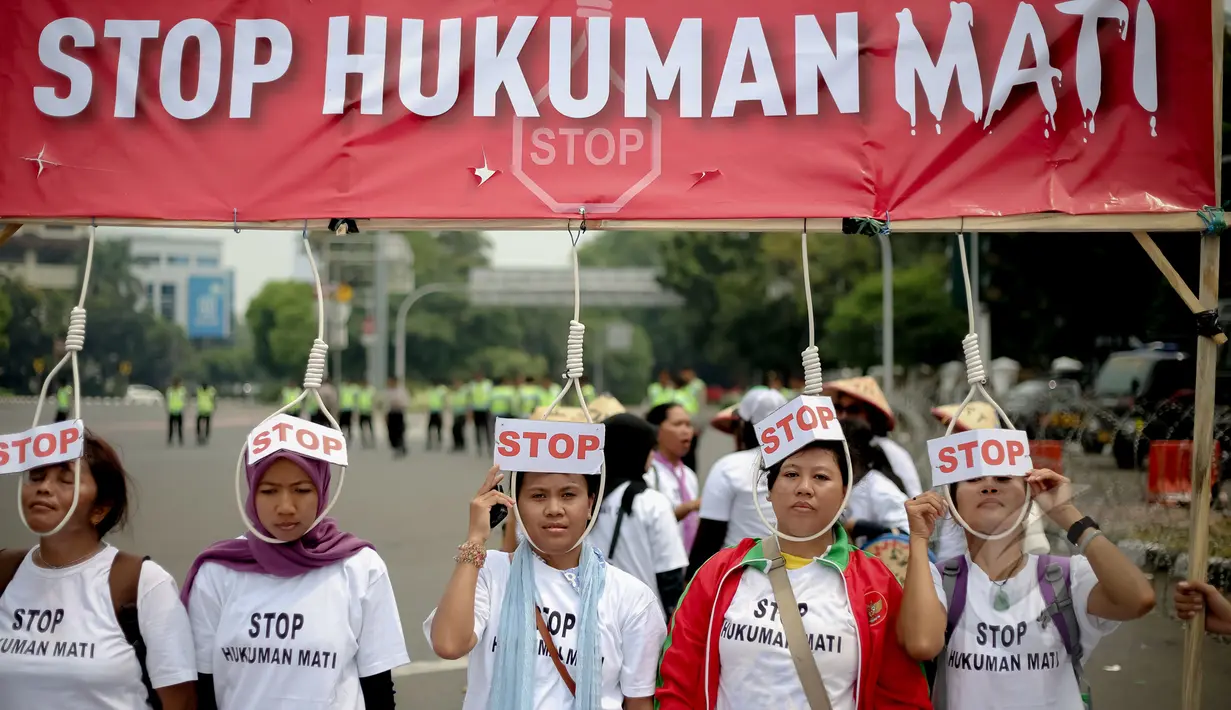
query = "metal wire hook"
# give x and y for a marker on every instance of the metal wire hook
(235, 219)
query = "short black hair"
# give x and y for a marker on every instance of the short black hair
(748, 435)
(658, 414)
(838, 453)
(591, 485)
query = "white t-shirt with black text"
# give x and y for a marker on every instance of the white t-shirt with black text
(998, 660)
(630, 622)
(296, 643)
(876, 499)
(757, 670)
(62, 647)
(650, 540)
(727, 497)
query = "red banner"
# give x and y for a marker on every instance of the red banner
(267, 110)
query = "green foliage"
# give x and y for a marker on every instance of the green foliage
(282, 320)
(501, 361)
(927, 329)
(6, 315)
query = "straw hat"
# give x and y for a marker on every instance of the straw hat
(725, 420)
(601, 408)
(866, 390)
(977, 415)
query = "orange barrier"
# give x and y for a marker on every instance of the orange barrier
(1170, 478)
(1048, 454)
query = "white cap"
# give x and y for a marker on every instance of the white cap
(758, 403)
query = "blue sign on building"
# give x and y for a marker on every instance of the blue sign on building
(209, 306)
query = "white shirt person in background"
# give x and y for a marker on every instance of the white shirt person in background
(1006, 648)
(62, 644)
(728, 513)
(309, 623)
(668, 474)
(636, 525)
(606, 625)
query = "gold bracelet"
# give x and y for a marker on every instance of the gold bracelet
(471, 553)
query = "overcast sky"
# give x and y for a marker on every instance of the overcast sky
(259, 255)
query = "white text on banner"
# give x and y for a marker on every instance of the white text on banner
(533, 446)
(287, 433)
(800, 422)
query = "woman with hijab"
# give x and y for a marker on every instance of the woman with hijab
(727, 646)
(668, 474)
(636, 525)
(307, 622)
(601, 627)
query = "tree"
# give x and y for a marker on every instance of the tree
(282, 320)
(927, 328)
(6, 315)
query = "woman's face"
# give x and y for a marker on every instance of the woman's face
(555, 508)
(808, 492)
(286, 500)
(675, 433)
(990, 504)
(850, 407)
(47, 494)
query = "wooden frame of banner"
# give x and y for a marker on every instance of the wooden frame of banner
(1139, 224)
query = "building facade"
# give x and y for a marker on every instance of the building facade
(185, 282)
(45, 256)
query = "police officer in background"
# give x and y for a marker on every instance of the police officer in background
(504, 400)
(660, 392)
(177, 397)
(366, 402)
(289, 394)
(64, 398)
(480, 395)
(205, 412)
(459, 402)
(436, 415)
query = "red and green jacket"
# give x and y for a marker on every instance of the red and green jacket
(888, 678)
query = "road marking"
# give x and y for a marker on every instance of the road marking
(425, 667)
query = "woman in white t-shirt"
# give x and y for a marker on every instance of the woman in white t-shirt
(728, 513)
(500, 609)
(727, 647)
(63, 643)
(668, 474)
(636, 525)
(309, 622)
(877, 502)
(997, 616)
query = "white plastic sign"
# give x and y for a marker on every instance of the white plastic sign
(800, 422)
(287, 433)
(532, 446)
(978, 453)
(42, 446)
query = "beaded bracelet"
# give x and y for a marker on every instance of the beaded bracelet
(472, 553)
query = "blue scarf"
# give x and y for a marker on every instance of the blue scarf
(513, 681)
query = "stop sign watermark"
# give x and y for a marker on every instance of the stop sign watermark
(599, 163)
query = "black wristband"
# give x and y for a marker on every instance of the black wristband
(1080, 527)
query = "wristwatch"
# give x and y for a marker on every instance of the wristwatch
(1080, 527)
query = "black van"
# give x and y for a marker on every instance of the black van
(1141, 395)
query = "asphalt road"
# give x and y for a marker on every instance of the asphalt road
(415, 512)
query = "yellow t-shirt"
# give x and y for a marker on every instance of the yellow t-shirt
(794, 562)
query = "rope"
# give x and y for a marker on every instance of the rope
(976, 377)
(74, 341)
(314, 376)
(1214, 218)
(813, 380)
(574, 370)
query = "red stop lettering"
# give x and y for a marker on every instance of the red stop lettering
(968, 448)
(20, 445)
(282, 428)
(68, 437)
(993, 452)
(1016, 450)
(560, 446)
(260, 443)
(507, 443)
(44, 445)
(948, 459)
(785, 424)
(307, 439)
(770, 441)
(586, 444)
(535, 438)
(331, 444)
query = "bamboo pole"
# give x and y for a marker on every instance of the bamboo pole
(1207, 364)
(8, 232)
(1196, 305)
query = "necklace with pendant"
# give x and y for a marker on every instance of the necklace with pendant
(1000, 599)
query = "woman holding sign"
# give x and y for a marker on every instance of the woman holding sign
(85, 625)
(602, 627)
(728, 646)
(305, 618)
(1013, 629)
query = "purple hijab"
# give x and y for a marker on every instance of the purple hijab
(322, 546)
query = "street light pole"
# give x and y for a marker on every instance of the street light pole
(399, 343)
(887, 314)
